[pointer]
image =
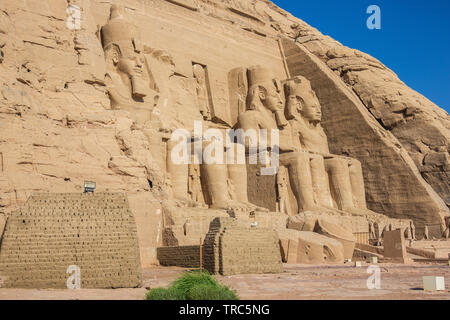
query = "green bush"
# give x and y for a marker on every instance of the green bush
(193, 286)
(207, 292)
(165, 294)
(194, 278)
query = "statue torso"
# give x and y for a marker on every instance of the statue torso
(309, 137)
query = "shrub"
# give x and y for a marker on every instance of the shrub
(193, 286)
(207, 292)
(165, 294)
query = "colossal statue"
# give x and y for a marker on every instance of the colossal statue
(345, 174)
(305, 115)
(310, 179)
(132, 87)
(266, 111)
(129, 80)
(265, 107)
(319, 181)
(226, 184)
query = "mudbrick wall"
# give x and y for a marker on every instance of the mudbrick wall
(51, 232)
(183, 256)
(229, 248)
(237, 249)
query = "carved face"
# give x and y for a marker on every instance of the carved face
(311, 109)
(307, 104)
(270, 96)
(131, 66)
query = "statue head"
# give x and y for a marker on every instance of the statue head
(123, 51)
(302, 100)
(265, 92)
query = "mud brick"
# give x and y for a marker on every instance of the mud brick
(229, 249)
(96, 232)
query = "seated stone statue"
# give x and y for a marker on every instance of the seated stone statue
(128, 78)
(320, 182)
(306, 170)
(265, 108)
(343, 182)
(222, 185)
(225, 184)
(344, 175)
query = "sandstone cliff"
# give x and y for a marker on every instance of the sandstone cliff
(420, 125)
(57, 126)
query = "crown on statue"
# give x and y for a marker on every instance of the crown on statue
(117, 11)
(259, 75)
(297, 86)
(119, 30)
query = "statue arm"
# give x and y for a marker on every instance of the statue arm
(286, 143)
(248, 121)
(118, 101)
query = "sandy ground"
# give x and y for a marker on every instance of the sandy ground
(297, 282)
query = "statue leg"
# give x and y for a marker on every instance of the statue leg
(179, 175)
(215, 177)
(300, 178)
(320, 181)
(238, 176)
(341, 187)
(237, 173)
(357, 182)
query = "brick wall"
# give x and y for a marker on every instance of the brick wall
(183, 256)
(229, 248)
(95, 232)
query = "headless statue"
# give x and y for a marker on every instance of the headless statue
(226, 184)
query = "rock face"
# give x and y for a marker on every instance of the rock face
(90, 93)
(383, 178)
(421, 127)
(55, 232)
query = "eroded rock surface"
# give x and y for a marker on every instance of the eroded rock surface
(100, 103)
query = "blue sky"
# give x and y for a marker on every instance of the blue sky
(414, 40)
